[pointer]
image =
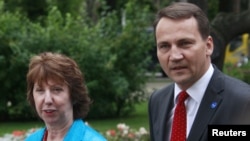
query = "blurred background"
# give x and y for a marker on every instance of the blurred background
(113, 43)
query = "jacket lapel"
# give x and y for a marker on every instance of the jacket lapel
(166, 109)
(209, 104)
(161, 107)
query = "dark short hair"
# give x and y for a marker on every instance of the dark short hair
(185, 10)
(61, 69)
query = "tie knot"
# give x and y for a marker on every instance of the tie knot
(182, 96)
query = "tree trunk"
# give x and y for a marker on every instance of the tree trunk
(225, 27)
(201, 3)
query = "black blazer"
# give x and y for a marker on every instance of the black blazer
(233, 107)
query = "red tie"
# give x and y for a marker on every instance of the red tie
(180, 121)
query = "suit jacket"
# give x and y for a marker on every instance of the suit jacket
(233, 107)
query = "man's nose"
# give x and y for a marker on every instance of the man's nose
(175, 54)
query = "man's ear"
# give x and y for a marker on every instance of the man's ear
(209, 45)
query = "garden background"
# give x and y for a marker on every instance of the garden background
(113, 43)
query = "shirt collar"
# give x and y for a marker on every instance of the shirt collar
(197, 90)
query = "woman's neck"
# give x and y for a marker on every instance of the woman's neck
(57, 133)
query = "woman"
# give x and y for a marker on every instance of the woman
(57, 91)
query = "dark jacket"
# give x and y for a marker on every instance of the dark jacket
(232, 98)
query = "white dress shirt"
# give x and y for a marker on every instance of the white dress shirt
(195, 92)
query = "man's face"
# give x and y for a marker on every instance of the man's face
(182, 53)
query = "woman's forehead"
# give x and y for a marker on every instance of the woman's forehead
(49, 81)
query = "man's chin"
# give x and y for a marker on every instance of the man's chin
(181, 81)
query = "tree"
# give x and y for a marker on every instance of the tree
(37, 9)
(228, 19)
(112, 57)
(227, 24)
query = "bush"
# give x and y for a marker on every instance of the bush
(246, 72)
(13, 66)
(112, 57)
(242, 72)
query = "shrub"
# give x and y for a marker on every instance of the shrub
(112, 57)
(242, 72)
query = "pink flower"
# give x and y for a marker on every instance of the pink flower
(131, 135)
(111, 132)
(18, 133)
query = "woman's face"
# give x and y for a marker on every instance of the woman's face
(53, 103)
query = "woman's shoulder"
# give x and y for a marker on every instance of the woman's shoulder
(82, 130)
(37, 135)
(92, 134)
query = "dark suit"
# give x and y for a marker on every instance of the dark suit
(233, 107)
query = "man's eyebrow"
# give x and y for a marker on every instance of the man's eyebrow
(186, 39)
(163, 42)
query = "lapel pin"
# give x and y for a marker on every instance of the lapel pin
(213, 105)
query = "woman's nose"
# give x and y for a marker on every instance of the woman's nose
(48, 98)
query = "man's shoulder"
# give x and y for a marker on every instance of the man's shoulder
(164, 89)
(162, 94)
(236, 83)
(228, 82)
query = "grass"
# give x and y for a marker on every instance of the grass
(8, 127)
(136, 120)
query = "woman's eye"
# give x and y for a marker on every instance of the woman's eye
(57, 90)
(38, 89)
(164, 46)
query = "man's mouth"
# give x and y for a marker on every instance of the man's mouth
(178, 68)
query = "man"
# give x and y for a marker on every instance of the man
(184, 49)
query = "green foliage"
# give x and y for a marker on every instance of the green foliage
(246, 72)
(13, 64)
(121, 78)
(213, 8)
(242, 73)
(112, 57)
(38, 9)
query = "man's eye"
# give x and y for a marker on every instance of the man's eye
(185, 43)
(164, 48)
